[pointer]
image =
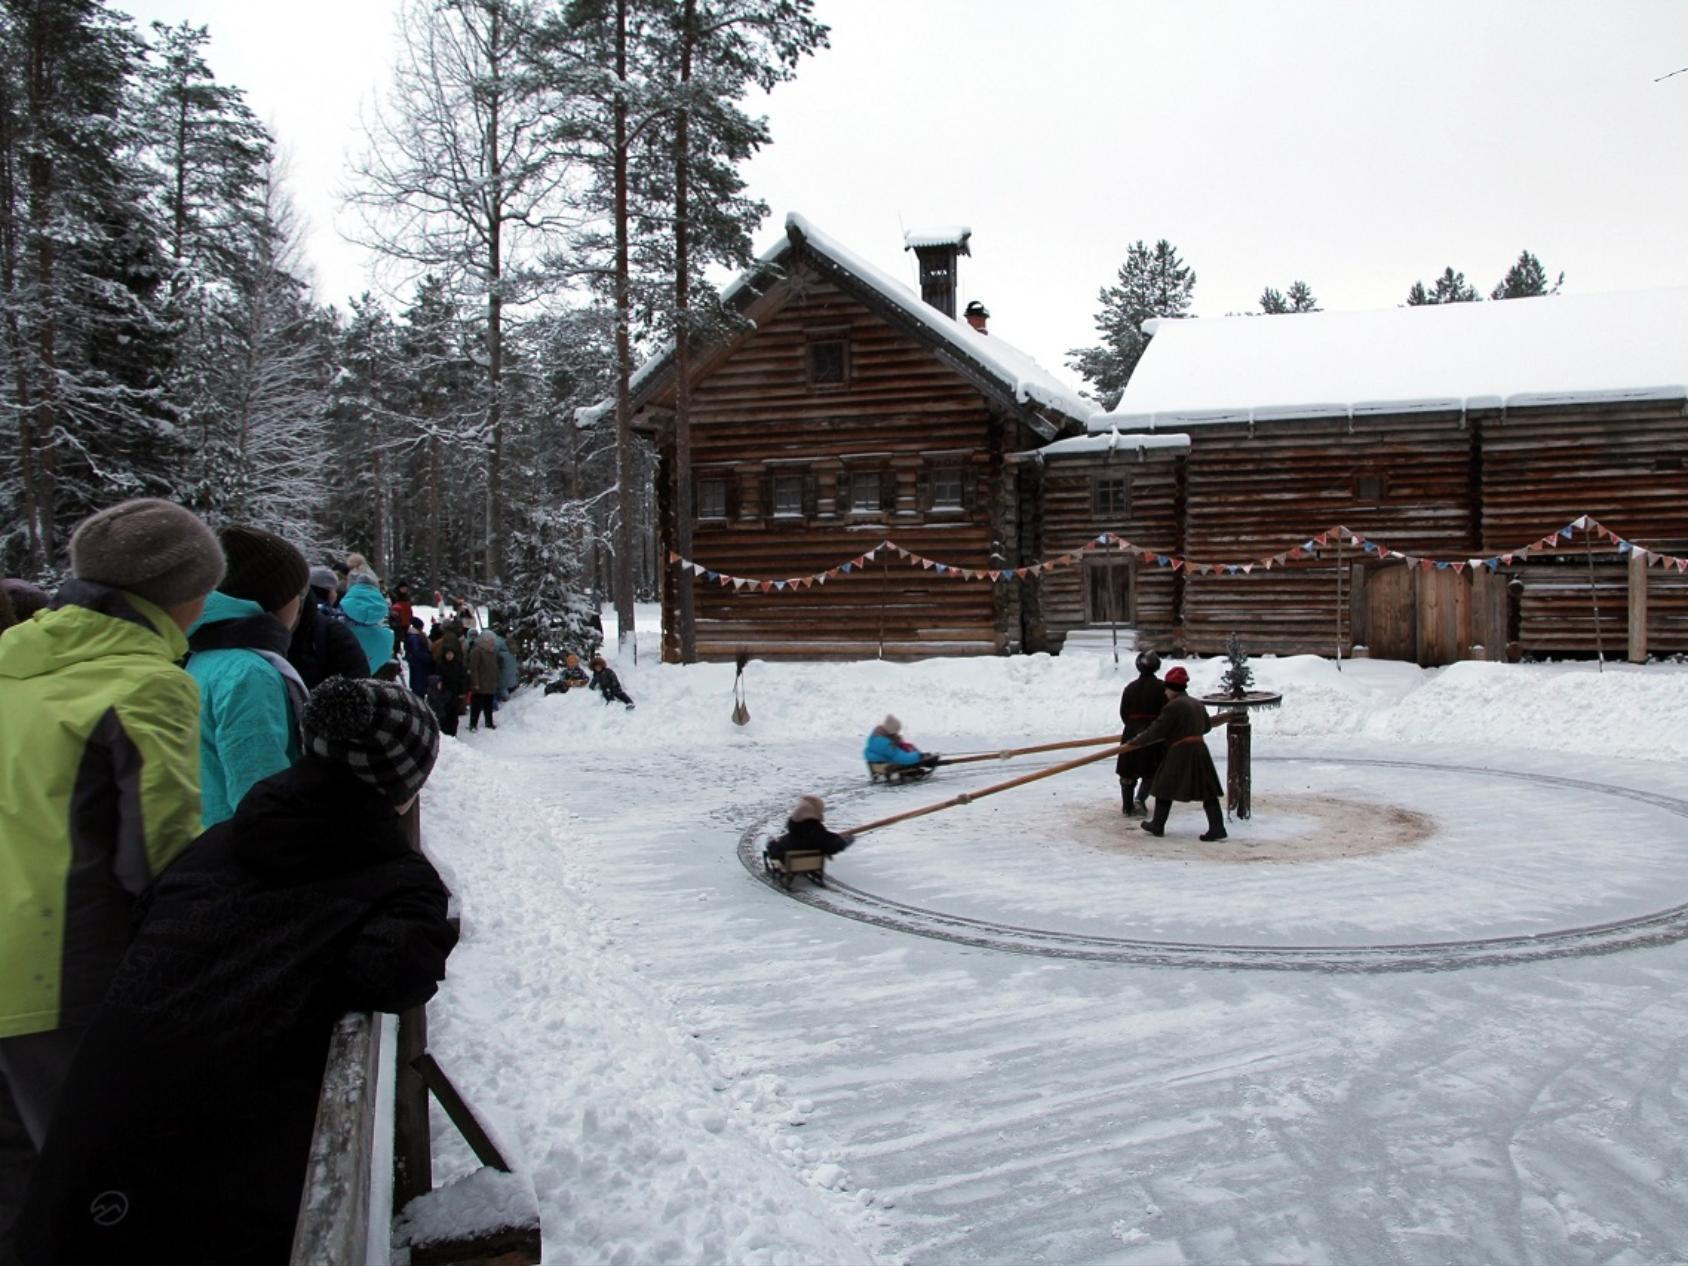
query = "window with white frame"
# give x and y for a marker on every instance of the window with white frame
(864, 492)
(946, 488)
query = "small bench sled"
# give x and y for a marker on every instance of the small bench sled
(784, 870)
(886, 772)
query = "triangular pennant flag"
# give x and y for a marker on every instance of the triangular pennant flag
(1323, 538)
(1581, 521)
(1458, 565)
(1247, 567)
(1565, 531)
(1506, 558)
(1295, 553)
(711, 575)
(927, 563)
(673, 557)
(995, 574)
(1177, 564)
(765, 586)
(1428, 564)
(843, 567)
(1682, 564)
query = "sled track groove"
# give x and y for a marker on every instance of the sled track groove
(1659, 928)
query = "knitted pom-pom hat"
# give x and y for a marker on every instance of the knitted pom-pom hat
(379, 730)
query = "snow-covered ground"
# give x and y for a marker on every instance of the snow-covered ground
(694, 1067)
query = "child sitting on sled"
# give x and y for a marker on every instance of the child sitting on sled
(573, 678)
(805, 832)
(887, 746)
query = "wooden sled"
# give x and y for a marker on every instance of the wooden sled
(886, 772)
(784, 870)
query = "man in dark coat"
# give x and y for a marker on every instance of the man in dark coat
(187, 1114)
(1186, 771)
(805, 831)
(323, 644)
(1139, 704)
(419, 657)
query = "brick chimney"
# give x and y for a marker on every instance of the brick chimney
(938, 251)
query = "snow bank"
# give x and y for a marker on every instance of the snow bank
(638, 1147)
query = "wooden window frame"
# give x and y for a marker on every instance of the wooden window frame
(1358, 488)
(1100, 483)
(820, 339)
(798, 477)
(844, 501)
(725, 480)
(957, 506)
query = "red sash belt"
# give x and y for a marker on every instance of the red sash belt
(1191, 738)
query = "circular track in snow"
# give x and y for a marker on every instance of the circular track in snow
(1655, 928)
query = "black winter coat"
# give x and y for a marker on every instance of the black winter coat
(1140, 703)
(324, 647)
(606, 683)
(807, 836)
(194, 1092)
(1186, 770)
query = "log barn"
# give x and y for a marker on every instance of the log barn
(847, 410)
(1460, 432)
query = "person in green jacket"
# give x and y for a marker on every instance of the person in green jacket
(99, 790)
(366, 611)
(250, 696)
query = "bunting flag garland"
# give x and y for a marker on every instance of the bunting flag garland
(1111, 541)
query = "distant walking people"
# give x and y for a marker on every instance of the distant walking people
(1139, 704)
(99, 741)
(483, 681)
(194, 1092)
(250, 694)
(606, 683)
(1186, 771)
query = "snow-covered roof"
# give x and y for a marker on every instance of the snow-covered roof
(941, 235)
(1121, 444)
(1018, 375)
(1550, 350)
(1029, 382)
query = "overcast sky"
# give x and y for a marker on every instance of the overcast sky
(1356, 146)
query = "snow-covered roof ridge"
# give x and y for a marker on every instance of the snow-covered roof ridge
(938, 235)
(1557, 349)
(1029, 382)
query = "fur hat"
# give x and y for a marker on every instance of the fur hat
(263, 568)
(809, 809)
(379, 730)
(1177, 678)
(891, 725)
(324, 578)
(26, 599)
(153, 549)
(1148, 663)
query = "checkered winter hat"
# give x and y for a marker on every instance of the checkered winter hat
(379, 730)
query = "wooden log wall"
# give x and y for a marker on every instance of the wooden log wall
(1068, 520)
(1623, 463)
(1254, 492)
(901, 413)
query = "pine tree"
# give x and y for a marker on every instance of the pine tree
(1238, 677)
(1525, 279)
(1152, 282)
(85, 349)
(1299, 299)
(1450, 287)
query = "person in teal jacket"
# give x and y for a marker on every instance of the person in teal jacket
(366, 611)
(250, 697)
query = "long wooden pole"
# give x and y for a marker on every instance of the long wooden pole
(1026, 751)
(967, 797)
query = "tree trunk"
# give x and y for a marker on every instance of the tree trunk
(623, 354)
(433, 512)
(682, 499)
(495, 319)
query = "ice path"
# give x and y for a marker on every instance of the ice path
(1655, 927)
(1032, 1109)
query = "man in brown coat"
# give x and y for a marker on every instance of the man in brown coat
(1186, 771)
(483, 680)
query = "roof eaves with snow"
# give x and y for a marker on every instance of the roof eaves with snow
(1109, 443)
(955, 235)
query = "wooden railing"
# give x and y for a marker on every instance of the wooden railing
(333, 1225)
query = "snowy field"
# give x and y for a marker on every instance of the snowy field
(1016, 1032)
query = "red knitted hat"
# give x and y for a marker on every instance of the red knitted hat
(1178, 678)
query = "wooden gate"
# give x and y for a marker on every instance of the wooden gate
(1433, 617)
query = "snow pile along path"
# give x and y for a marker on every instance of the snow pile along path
(639, 1147)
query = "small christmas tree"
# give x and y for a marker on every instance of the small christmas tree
(1239, 676)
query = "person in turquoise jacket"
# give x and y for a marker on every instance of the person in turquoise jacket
(366, 611)
(250, 697)
(887, 746)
